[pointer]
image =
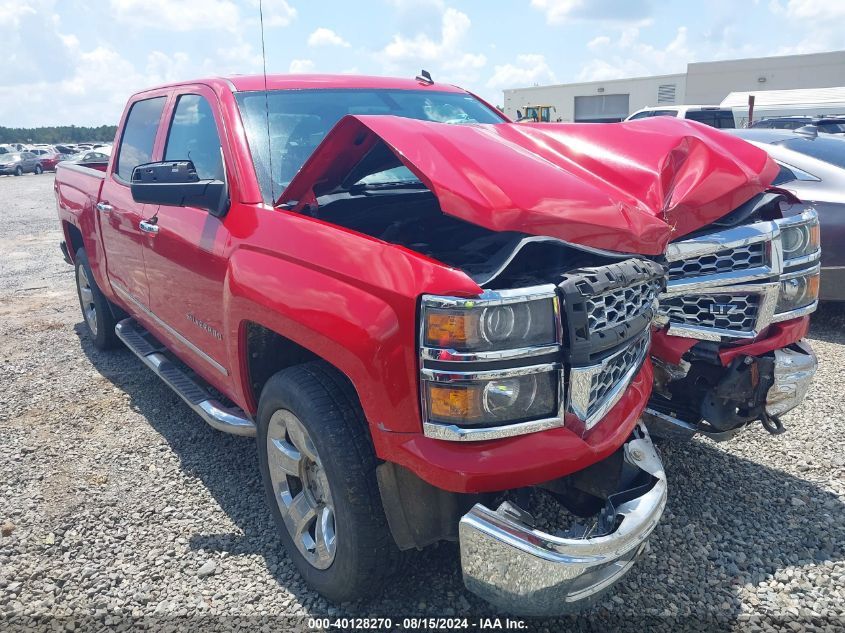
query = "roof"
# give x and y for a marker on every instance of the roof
(244, 83)
(799, 97)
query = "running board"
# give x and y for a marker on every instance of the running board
(226, 419)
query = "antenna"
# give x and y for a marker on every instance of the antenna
(266, 103)
(424, 78)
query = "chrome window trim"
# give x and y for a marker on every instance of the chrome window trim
(580, 383)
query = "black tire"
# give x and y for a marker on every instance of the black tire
(39, 170)
(102, 332)
(325, 403)
(18, 171)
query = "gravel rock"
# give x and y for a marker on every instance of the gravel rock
(142, 498)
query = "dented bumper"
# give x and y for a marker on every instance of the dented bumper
(510, 564)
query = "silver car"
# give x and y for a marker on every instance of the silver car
(812, 167)
(19, 163)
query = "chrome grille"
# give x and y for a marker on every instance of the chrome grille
(737, 312)
(620, 305)
(613, 373)
(722, 261)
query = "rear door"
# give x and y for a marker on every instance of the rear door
(120, 216)
(185, 259)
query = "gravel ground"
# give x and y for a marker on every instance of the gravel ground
(119, 507)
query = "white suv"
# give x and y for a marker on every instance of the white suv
(714, 116)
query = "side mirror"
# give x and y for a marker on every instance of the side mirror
(176, 183)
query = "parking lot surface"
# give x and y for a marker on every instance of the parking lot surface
(119, 505)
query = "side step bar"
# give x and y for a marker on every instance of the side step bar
(226, 419)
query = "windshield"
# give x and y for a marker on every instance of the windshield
(300, 119)
(829, 149)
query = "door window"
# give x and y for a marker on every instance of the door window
(193, 136)
(139, 134)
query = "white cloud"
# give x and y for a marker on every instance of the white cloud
(629, 56)
(276, 12)
(11, 13)
(301, 66)
(599, 42)
(565, 11)
(815, 9)
(445, 50)
(820, 21)
(184, 15)
(326, 37)
(528, 70)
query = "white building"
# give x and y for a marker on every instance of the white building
(704, 83)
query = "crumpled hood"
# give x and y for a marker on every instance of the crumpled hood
(627, 187)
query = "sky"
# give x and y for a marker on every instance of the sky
(76, 61)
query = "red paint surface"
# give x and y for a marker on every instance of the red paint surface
(778, 335)
(624, 187)
(352, 299)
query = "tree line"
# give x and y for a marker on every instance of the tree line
(57, 134)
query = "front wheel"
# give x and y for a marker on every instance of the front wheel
(18, 171)
(96, 310)
(39, 169)
(318, 467)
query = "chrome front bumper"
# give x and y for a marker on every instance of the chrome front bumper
(794, 371)
(527, 572)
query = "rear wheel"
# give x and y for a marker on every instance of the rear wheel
(39, 169)
(96, 309)
(318, 467)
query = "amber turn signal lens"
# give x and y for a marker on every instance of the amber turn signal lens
(447, 329)
(458, 403)
(813, 286)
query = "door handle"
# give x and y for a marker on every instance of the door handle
(148, 227)
(105, 207)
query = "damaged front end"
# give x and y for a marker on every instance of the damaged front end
(511, 563)
(562, 231)
(740, 293)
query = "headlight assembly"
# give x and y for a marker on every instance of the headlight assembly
(798, 290)
(489, 401)
(799, 237)
(496, 321)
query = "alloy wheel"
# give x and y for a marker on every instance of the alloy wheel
(301, 489)
(86, 299)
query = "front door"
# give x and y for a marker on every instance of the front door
(120, 216)
(185, 259)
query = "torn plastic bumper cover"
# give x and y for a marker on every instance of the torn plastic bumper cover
(528, 572)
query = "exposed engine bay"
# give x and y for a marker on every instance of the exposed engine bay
(409, 215)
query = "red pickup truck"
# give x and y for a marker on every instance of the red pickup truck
(432, 317)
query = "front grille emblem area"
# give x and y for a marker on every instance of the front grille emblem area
(723, 309)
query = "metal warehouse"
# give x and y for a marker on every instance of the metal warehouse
(704, 83)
